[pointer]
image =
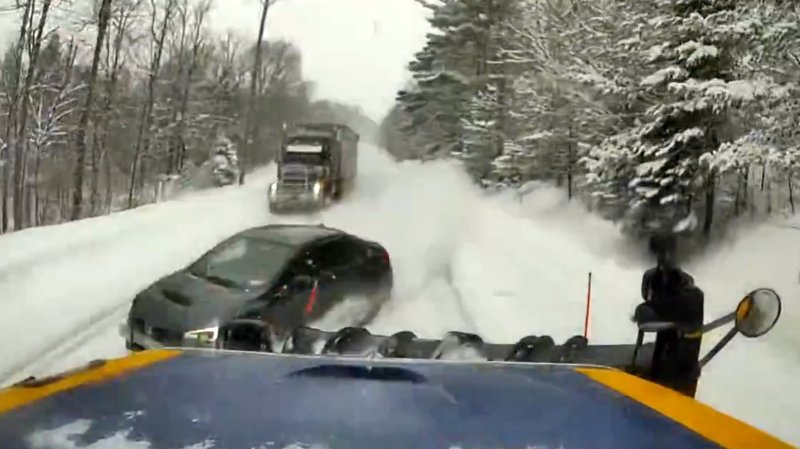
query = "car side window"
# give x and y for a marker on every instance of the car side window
(287, 289)
(298, 267)
(338, 253)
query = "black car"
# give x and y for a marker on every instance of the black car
(287, 275)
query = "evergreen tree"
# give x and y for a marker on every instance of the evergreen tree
(692, 92)
(564, 90)
(458, 105)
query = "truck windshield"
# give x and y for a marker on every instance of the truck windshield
(306, 150)
(303, 158)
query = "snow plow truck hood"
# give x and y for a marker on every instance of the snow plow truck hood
(240, 400)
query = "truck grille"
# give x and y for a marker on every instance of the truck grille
(294, 187)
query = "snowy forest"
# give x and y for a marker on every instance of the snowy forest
(662, 115)
(99, 110)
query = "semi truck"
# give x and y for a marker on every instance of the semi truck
(316, 164)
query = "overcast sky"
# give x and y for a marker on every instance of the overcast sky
(355, 51)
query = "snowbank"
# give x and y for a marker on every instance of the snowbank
(58, 282)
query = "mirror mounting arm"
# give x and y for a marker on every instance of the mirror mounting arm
(718, 347)
(719, 322)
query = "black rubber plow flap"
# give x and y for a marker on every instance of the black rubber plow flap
(254, 335)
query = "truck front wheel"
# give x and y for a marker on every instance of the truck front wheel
(337, 190)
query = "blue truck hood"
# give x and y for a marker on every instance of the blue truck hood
(236, 400)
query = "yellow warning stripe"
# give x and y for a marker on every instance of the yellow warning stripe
(718, 427)
(17, 396)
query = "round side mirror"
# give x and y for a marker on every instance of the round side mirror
(758, 312)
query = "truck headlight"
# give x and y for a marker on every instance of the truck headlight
(273, 188)
(203, 337)
(317, 188)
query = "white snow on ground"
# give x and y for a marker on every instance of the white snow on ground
(462, 261)
(83, 277)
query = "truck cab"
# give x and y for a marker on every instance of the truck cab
(316, 164)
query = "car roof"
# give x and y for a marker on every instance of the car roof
(292, 235)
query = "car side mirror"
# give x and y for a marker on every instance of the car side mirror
(323, 274)
(296, 284)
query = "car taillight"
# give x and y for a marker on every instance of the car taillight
(375, 251)
(384, 255)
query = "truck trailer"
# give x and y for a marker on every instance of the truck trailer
(317, 164)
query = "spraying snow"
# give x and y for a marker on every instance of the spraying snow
(463, 261)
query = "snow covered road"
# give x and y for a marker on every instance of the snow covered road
(462, 261)
(85, 276)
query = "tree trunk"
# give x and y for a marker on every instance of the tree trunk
(21, 136)
(6, 173)
(107, 169)
(178, 142)
(769, 198)
(177, 90)
(106, 115)
(12, 115)
(80, 139)
(143, 138)
(135, 162)
(710, 193)
(738, 198)
(746, 190)
(570, 163)
(791, 190)
(21, 146)
(94, 182)
(249, 135)
(36, 199)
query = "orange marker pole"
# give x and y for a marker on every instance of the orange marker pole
(588, 307)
